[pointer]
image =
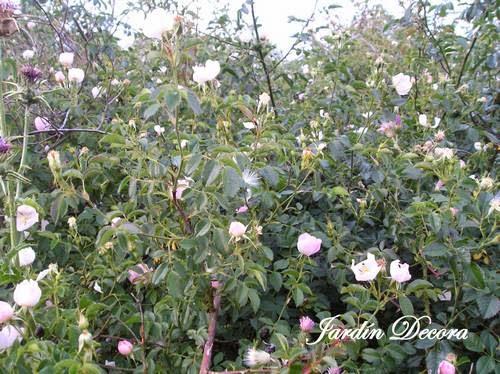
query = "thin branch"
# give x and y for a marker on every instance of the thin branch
(258, 48)
(60, 130)
(60, 38)
(464, 63)
(446, 66)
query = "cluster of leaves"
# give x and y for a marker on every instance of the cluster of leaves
(322, 168)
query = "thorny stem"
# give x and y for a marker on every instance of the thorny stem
(212, 327)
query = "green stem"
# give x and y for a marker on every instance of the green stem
(24, 151)
(11, 203)
(3, 128)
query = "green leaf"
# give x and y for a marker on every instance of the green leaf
(160, 273)
(489, 305)
(151, 111)
(254, 299)
(340, 191)
(406, 305)
(202, 228)
(58, 208)
(194, 102)
(270, 175)
(172, 98)
(298, 296)
(113, 139)
(211, 172)
(243, 295)
(174, 284)
(477, 272)
(231, 182)
(418, 284)
(485, 365)
(473, 343)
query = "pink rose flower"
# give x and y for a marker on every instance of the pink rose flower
(139, 274)
(242, 209)
(446, 367)
(215, 284)
(308, 244)
(125, 347)
(6, 312)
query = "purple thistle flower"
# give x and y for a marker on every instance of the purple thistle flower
(397, 121)
(7, 7)
(31, 73)
(333, 371)
(4, 146)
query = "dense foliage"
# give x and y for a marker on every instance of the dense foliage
(201, 187)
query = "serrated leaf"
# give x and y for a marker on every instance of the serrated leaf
(231, 182)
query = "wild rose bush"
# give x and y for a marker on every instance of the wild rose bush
(197, 202)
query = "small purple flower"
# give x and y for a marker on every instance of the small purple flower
(4, 146)
(439, 185)
(306, 324)
(333, 371)
(7, 7)
(397, 121)
(31, 73)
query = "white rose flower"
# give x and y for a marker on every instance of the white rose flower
(28, 54)
(26, 217)
(207, 72)
(96, 91)
(159, 130)
(402, 83)
(400, 272)
(27, 293)
(158, 22)
(486, 183)
(66, 59)
(26, 256)
(76, 75)
(72, 222)
(366, 270)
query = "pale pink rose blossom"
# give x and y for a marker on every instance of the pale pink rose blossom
(6, 311)
(237, 230)
(439, 185)
(8, 336)
(125, 347)
(139, 274)
(215, 283)
(242, 209)
(308, 244)
(59, 77)
(42, 124)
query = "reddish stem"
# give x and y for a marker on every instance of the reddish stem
(212, 326)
